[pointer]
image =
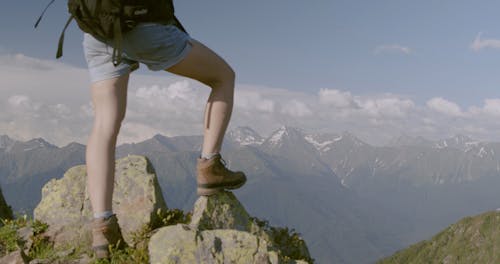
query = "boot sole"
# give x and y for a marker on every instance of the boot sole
(201, 191)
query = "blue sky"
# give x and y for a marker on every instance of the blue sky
(441, 55)
(309, 45)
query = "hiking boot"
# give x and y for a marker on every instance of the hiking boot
(213, 176)
(106, 232)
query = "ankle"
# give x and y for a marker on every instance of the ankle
(208, 156)
(103, 214)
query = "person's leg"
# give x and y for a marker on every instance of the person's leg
(109, 98)
(206, 66)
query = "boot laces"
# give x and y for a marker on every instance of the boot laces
(223, 162)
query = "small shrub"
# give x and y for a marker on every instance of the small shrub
(170, 217)
(41, 248)
(9, 240)
(287, 241)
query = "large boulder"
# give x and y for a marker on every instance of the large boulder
(222, 211)
(66, 208)
(221, 231)
(181, 244)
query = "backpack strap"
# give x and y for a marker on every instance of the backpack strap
(43, 13)
(178, 24)
(118, 39)
(61, 38)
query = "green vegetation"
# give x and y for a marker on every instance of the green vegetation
(8, 234)
(42, 248)
(471, 240)
(287, 241)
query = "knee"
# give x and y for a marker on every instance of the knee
(230, 75)
(225, 78)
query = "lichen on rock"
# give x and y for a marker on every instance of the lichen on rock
(66, 208)
(221, 231)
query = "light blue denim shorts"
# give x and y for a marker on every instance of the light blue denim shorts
(155, 45)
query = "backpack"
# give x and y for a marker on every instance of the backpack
(108, 20)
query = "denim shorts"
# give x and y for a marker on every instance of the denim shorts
(155, 45)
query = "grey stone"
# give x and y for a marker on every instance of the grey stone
(220, 211)
(66, 208)
(14, 257)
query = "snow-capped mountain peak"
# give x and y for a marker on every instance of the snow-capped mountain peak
(245, 136)
(458, 141)
(285, 133)
(37, 143)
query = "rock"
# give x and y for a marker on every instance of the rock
(15, 257)
(5, 209)
(85, 259)
(221, 231)
(181, 244)
(25, 234)
(220, 211)
(41, 261)
(66, 208)
(65, 253)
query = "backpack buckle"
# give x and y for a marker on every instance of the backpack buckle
(130, 23)
(135, 11)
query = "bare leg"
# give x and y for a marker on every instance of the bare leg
(206, 66)
(109, 98)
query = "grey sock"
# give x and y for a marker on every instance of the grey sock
(104, 214)
(209, 155)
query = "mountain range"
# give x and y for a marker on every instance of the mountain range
(352, 202)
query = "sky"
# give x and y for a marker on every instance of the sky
(378, 69)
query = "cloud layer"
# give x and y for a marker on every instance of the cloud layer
(480, 43)
(52, 100)
(393, 48)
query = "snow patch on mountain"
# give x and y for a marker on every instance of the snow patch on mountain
(482, 152)
(318, 145)
(246, 136)
(276, 138)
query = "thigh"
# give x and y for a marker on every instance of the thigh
(156, 45)
(109, 98)
(99, 57)
(202, 64)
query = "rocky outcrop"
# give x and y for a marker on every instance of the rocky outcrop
(5, 209)
(66, 208)
(221, 231)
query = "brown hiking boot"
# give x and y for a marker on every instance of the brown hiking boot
(106, 232)
(213, 176)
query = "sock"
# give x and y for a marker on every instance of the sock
(209, 155)
(104, 214)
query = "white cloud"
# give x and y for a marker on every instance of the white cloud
(35, 101)
(444, 106)
(387, 107)
(492, 106)
(19, 101)
(480, 43)
(336, 98)
(296, 108)
(394, 48)
(136, 132)
(253, 101)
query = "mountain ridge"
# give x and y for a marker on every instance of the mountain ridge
(335, 181)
